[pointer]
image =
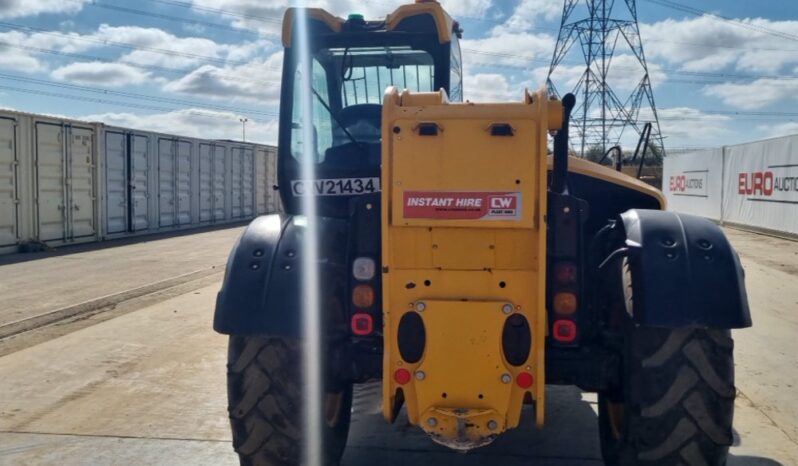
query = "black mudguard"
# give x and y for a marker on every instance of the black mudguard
(262, 289)
(684, 272)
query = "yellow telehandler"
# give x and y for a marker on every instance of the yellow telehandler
(465, 267)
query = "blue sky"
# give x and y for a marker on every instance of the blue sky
(195, 67)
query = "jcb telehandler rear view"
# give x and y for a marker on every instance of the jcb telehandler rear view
(466, 268)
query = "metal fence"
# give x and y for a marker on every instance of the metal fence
(753, 185)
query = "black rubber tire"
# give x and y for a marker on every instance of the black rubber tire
(264, 390)
(675, 399)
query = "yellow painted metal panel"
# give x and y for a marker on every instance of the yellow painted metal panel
(464, 231)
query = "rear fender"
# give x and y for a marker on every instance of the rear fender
(684, 272)
(262, 289)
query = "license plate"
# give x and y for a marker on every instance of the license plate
(336, 186)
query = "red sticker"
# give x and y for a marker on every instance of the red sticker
(462, 205)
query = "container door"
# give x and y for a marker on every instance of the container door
(115, 182)
(236, 174)
(166, 182)
(248, 183)
(219, 183)
(8, 182)
(261, 193)
(81, 182)
(271, 169)
(50, 177)
(139, 182)
(206, 165)
(183, 182)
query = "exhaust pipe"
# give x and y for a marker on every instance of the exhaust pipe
(559, 171)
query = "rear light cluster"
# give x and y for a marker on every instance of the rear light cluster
(565, 301)
(363, 270)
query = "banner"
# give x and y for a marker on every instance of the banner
(693, 182)
(761, 184)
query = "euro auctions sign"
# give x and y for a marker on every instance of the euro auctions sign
(777, 183)
(462, 205)
(761, 184)
(689, 183)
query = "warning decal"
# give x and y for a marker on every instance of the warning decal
(462, 205)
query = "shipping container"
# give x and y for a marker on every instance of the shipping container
(127, 179)
(266, 180)
(242, 158)
(9, 201)
(213, 181)
(64, 181)
(175, 186)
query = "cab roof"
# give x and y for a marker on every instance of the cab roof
(443, 22)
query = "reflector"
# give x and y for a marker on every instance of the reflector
(564, 331)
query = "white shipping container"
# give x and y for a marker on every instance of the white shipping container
(65, 181)
(9, 203)
(266, 179)
(64, 159)
(242, 158)
(213, 167)
(128, 190)
(175, 188)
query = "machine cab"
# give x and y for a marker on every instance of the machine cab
(353, 61)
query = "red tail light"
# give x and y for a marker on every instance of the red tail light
(524, 380)
(401, 376)
(362, 324)
(564, 331)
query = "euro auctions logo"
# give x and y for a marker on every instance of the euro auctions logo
(776, 184)
(689, 183)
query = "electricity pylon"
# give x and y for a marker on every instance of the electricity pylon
(601, 119)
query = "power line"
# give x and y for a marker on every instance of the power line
(115, 103)
(150, 98)
(124, 45)
(265, 19)
(195, 22)
(667, 70)
(698, 12)
(175, 71)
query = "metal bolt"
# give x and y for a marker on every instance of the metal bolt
(507, 308)
(369, 206)
(507, 378)
(286, 267)
(258, 253)
(254, 266)
(492, 425)
(420, 306)
(432, 422)
(566, 209)
(420, 375)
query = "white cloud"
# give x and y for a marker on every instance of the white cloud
(506, 48)
(783, 129)
(266, 17)
(707, 44)
(181, 51)
(197, 123)
(756, 94)
(257, 81)
(528, 13)
(107, 74)
(21, 8)
(690, 126)
(489, 87)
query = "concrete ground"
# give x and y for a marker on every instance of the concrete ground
(146, 386)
